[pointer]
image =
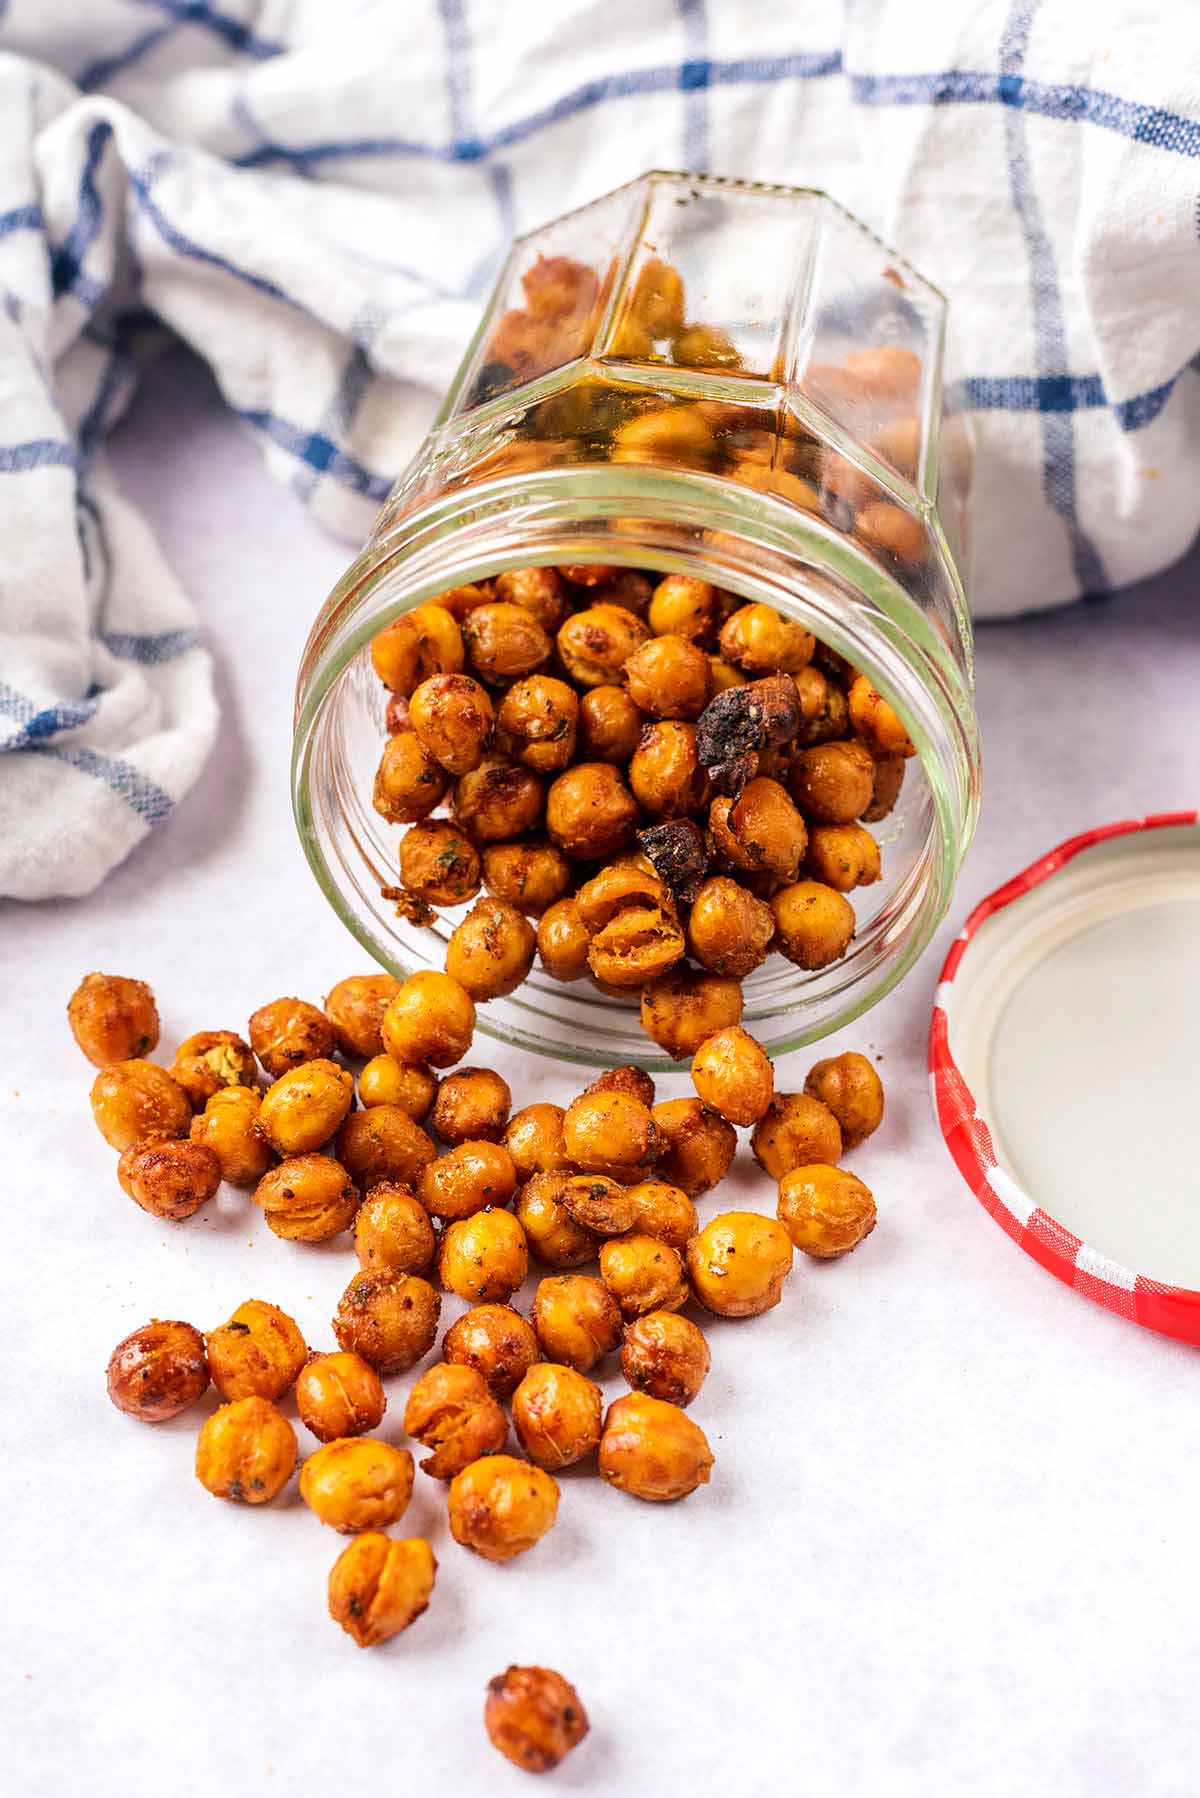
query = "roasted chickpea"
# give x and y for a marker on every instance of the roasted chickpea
(338, 1396)
(305, 1106)
(843, 856)
(683, 607)
(451, 1411)
(500, 1506)
(458, 601)
(537, 721)
(409, 782)
(576, 1320)
(729, 931)
(669, 678)
(556, 1414)
(666, 434)
(666, 1356)
(410, 1085)
(609, 724)
(562, 941)
(307, 1198)
(355, 1008)
(594, 645)
(733, 1075)
(590, 812)
(628, 882)
(833, 782)
(158, 1371)
(169, 1178)
(439, 864)
(825, 1210)
(290, 1031)
(657, 300)
(497, 801)
(598, 1202)
(393, 1234)
(113, 1018)
(390, 1320)
(497, 1342)
(795, 1129)
(853, 1092)
(229, 1126)
(640, 944)
(491, 951)
(246, 1452)
(760, 831)
(633, 1081)
(738, 1263)
(684, 1006)
(626, 588)
(664, 1212)
(135, 1101)
(665, 772)
(652, 1449)
(825, 724)
(889, 778)
(378, 1587)
(210, 1060)
(698, 1148)
(814, 925)
(504, 642)
(550, 1231)
(894, 531)
(643, 1274)
(432, 1018)
(453, 717)
(418, 644)
(357, 1483)
(534, 1717)
(257, 1354)
(484, 1257)
(539, 590)
(876, 722)
(472, 1106)
(534, 1139)
(469, 1177)
(530, 876)
(607, 1132)
(762, 641)
(382, 1143)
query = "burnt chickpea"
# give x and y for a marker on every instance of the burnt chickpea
(539, 590)
(728, 931)
(534, 1717)
(410, 1085)
(484, 1257)
(556, 1414)
(761, 640)
(451, 1411)
(307, 1198)
(357, 1483)
(562, 941)
(679, 852)
(210, 1060)
(733, 1075)
(390, 1320)
(843, 856)
(287, 1032)
(453, 717)
(158, 1371)
(594, 645)
(467, 1178)
(500, 1506)
(760, 831)
(609, 724)
(497, 1342)
(832, 783)
(246, 1452)
(576, 1320)
(814, 925)
(169, 1178)
(529, 875)
(439, 864)
(665, 772)
(894, 531)
(669, 677)
(651, 1449)
(472, 1106)
(876, 722)
(795, 1129)
(537, 722)
(851, 1089)
(491, 951)
(738, 1263)
(382, 1143)
(504, 642)
(683, 607)
(113, 1018)
(610, 1132)
(377, 1586)
(590, 812)
(136, 1101)
(643, 1273)
(393, 1234)
(534, 1139)
(409, 782)
(432, 1018)
(497, 801)
(551, 1232)
(418, 644)
(355, 1008)
(634, 1082)
(229, 1126)
(305, 1106)
(885, 791)
(664, 1212)
(666, 1356)
(683, 1006)
(699, 1146)
(339, 1395)
(826, 1211)
(257, 1354)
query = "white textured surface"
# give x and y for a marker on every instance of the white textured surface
(949, 1546)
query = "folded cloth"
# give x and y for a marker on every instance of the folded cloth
(316, 196)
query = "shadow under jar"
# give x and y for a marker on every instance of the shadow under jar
(690, 376)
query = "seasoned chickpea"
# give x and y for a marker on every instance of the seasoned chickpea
(576, 1319)
(889, 778)
(610, 1132)
(590, 812)
(893, 530)
(410, 1085)
(669, 677)
(257, 1354)
(539, 590)
(382, 1143)
(439, 864)
(458, 601)
(537, 722)
(626, 587)
(733, 1075)
(814, 924)
(339, 1395)
(290, 1031)
(246, 1452)
(113, 1018)
(497, 1342)
(168, 1178)
(666, 434)
(562, 941)
(355, 1008)
(598, 1203)
(664, 1211)
(409, 782)
(699, 1146)
(500, 1506)
(498, 800)
(472, 1106)
(827, 723)
(876, 722)
(392, 1233)
(589, 574)
(795, 1129)
(853, 1092)
(390, 1320)
(634, 1082)
(665, 772)
(833, 782)
(641, 943)
(550, 1231)
(484, 1257)
(738, 1263)
(683, 607)
(534, 1139)
(210, 1060)
(504, 642)
(432, 1018)
(158, 1371)
(229, 1126)
(307, 1198)
(491, 951)
(357, 1483)
(666, 1356)
(451, 1411)
(594, 645)
(729, 931)
(418, 644)
(628, 882)
(643, 1273)
(529, 875)
(609, 724)
(657, 300)
(135, 1101)
(760, 831)
(684, 1006)
(377, 1587)
(556, 1414)
(843, 856)
(762, 641)
(469, 1177)
(652, 1449)
(305, 1106)
(534, 1717)
(825, 1210)
(453, 717)
(724, 675)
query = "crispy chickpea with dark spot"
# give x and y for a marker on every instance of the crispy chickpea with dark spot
(794, 1130)
(664, 772)
(597, 1202)
(169, 1178)
(484, 1257)
(305, 1106)
(378, 1586)
(576, 1320)
(738, 1263)
(590, 812)
(453, 717)
(355, 1008)
(157, 1371)
(609, 724)
(669, 678)
(594, 645)
(418, 644)
(556, 1414)
(246, 1452)
(500, 1506)
(137, 1101)
(537, 722)
(472, 1106)
(439, 864)
(762, 641)
(760, 831)
(409, 782)
(643, 1274)
(853, 1092)
(388, 1319)
(683, 1006)
(610, 1132)
(409, 1084)
(814, 924)
(467, 1178)
(728, 930)
(534, 1717)
(652, 1450)
(832, 783)
(491, 951)
(563, 943)
(684, 607)
(432, 1018)
(382, 1143)
(534, 1139)
(257, 1354)
(826, 1211)
(666, 1356)
(699, 1146)
(497, 1342)
(113, 1018)
(229, 1125)
(733, 1075)
(210, 1060)
(339, 1395)
(633, 1081)
(497, 801)
(357, 1483)
(530, 876)
(392, 1232)
(504, 642)
(451, 1411)
(539, 590)
(843, 856)
(290, 1031)
(550, 1231)
(308, 1198)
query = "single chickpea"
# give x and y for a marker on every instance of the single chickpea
(761, 640)
(738, 1263)
(588, 574)
(562, 941)
(666, 1356)
(885, 791)
(390, 1320)
(665, 772)
(643, 1274)
(497, 1342)
(550, 1231)
(829, 723)
(640, 944)
(439, 864)
(683, 607)
(609, 724)
(796, 1129)
(211, 1060)
(290, 1031)
(679, 852)
(832, 783)
(453, 717)
(500, 1506)
(699, 1146)
(590, 812)
(257, 1354)
(733, 1075)
(595, 644)
(491, 951)
(409, 782)
(894, 531)
(113, 1018)
(393, 1234)
(626, 588)
(378, 1586)
(305, 1106)
(666, 434)
(537, 722)
(556, 1414)
(607, 1132)
(669, 677)
(418, 644)
(357, 1483)
(355, 1008)
(657, 299)
(382, 1143)
(598, 1203)
(229, 1126)
(534, 1717)
(410, 1085)
(728, 931)
(472, 1106)
(158, 1371)
(136, 1101)
(826, 1211)
(539, 590)
(741, 724)
(684, 1006)
(497, 801)
(633, 1081)
(529, 876)
(338, 1396)
(814, 925)
(432, 1018)
(664, 1212)
(534, 1139)
(576, 1320)
(843, 856)
(812, 690)
(246, 1452)
(760, 831)
(853, 1092)
(451, 1411)
(876, 722)
(484, 1257)
(705, 346)
(308, 1198)
(652, 1449)
(168, 1178)
(504, 642)
(466, 1179)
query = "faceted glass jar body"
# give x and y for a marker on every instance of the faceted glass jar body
(691, 376)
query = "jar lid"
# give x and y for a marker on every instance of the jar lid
(1064, 1057)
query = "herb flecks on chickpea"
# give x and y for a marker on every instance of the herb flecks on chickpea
(113, 1018)
(851, 1089)
(466, 1179)
(484, 1258)
(392, 1231)
(137, 1101)
(246, 1452)
(307, 1198)
(388, 1319)
(491, 951)
(169, 1178)
(738, 1263)
(302, 1110)
(452, 1412)
(497, 1342)
(378, 1587)
(439, 864)
(257, 1354)
(290, 1031)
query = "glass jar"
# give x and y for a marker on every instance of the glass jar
(697, 376)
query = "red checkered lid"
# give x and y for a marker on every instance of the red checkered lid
(1067, 1006)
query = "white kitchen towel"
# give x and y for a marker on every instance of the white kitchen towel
(315, 194)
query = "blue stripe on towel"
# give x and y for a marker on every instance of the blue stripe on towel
(150, 648)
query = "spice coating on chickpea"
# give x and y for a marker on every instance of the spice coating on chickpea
(257, 1354)
(643, 1273)
(466, 1179)
(500, 1506)
(305, 1106)
(157, 1371)
(339, 1395)
(229, 1126)
(610, 724)
(539, 590)
(498, 800)
(409, 782)
(832, 783)
(357, 1483)
(534, 1139)
(484, 1257)
(246, 1452)
(491, 951)
(382, 1144)
(537, 722)
(432, 1018)
(290, 1031)
(590, 812)
(843, 856)
(760, 831)
(388, 1319)
(795, 1130)
(439, 864)
(876, 722)
(761, 640)
(598, 1202)
(849, 1086)
(452, 1412)
(169, 1178)
(113, 1018)
(729, 931)
(497, 1342)
(550, 1231)
(453, 717)
(733, 1075)
(418, 644)
(684, 607)
(595, 644)
(556, 1414)
(738, 1263)
(410, 1085)
(308, 1198)
(664, 771)
(134, 1101)
(669, 677)
(534, 1717)
(685, 1005)
(651, 1449)
(576, 1320)
(529, 875)
(472, 1106)
(699, 1145)
(825, 1210)
(392, 1232)
(210, 1060)
(814, 925)
(377, 1587)
(504, 642)
(563, 944)
(609, 1132)
(664, 1211)
(355, 1008)
(666, 1356)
